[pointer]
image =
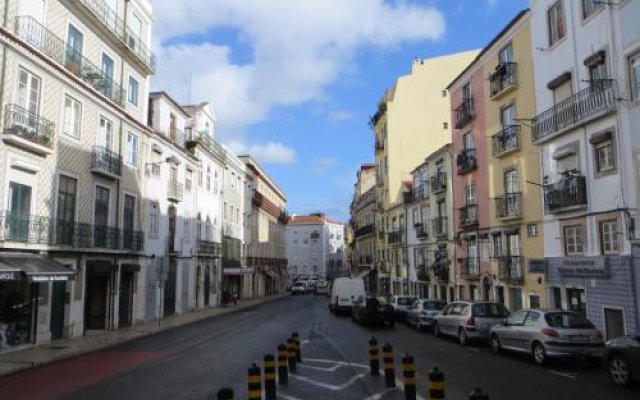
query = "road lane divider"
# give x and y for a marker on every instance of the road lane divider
(374, 357)
(389, 368)
(409, 377)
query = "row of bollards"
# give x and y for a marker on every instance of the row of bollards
(289, 356)
(436, 376)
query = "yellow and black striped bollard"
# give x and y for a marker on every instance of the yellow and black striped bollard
(296, 337)
(436, 384)
(374, 357)
(283, 373)
(291, 355)
(409, 377)
(225, 394)
(477, 394)
(255, 383)
(270, 377)
(389, 370)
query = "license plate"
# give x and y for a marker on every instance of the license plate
(579, 338)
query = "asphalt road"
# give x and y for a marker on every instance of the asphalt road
(194, 361)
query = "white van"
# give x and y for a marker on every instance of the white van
(344, 292)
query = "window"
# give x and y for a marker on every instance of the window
(66, 213)
(132, 149)
(609, 236)
(511, 181)
(28, 91)
(506, 54)
(508, 115)
(470, 194)
(133, 91)
(532, 230)
(573, 240)
(101, 237)
(555, 19)
(635, 76)
(105, 134)
(74, 49)
(71, 124)
(532, 317)
(604, 156)
(590, 7)
(468, 141)
(598, 72)
(188, 179)
(567, 163)
(497, 246)
(466, 92)
(517, 319)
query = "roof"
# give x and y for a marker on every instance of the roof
(171, 100)
(367, 166)
(311, 220)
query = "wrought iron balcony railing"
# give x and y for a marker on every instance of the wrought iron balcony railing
(569, 191)
(419, 192)
(464, 113)
(422, 230)
(439, 226)
(422, 274)
(230, 263)
(106, 162)
(395, 237)
(580, 108)
(439, 182)
(132, 240)
(507, 140)
(503, 77)
(177, 137)
(470, 268)
(466, 161)
(21, 122)
(175, 190)
(364, 230)
(469, 215)
(440, 272)
(208, 247)
(35, 34)
(510, 269)
(509, 205)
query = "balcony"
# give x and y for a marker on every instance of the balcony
(509, 206)
(106, 163)
(464, 113)
(440, 272)
(175, 191)
(382, 109)
(469, 216)
(177, 137)
(396, 237)
(439, 182)
(503, 78)
(421, 229)
(230, 263)
(593, 102)
(466, 161)
(569, 193)
(510, 269)
(439, 227)
(208, 247)
(36, 35)
(419, 192)
(173, 245)
(110, 20)
(470, 269)
(422, 274)
(132, 240)
(364, 231)
(27, 130)
(407, 198)
(506, 141)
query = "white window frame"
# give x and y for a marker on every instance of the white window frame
(129, 91)
(30, 77)
(571, 233)
(589, 8)
(609, 236)
(76, 122)
(154, 221)
(130, 161)
(609, 158)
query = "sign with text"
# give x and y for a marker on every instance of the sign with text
(9, 276)
(589, 267)
(537, 265)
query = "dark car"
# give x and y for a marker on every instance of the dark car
(372, 310)
(622, 356)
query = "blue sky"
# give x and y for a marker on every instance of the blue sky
(294, 83)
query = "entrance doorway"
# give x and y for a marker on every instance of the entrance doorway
(486, 289)
(125, 308)
(207, 286)
(170, 290)
(98, 305)
(614, 322)
(58, 293)
(198, 278)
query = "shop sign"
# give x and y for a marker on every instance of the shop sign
(9, 276)
(48, 278)
(590, 267)
(537, 265)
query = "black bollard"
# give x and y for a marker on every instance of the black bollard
(296, 337)
(374, 357)
(255, 383)
(283, 372)
(389, 371)
(409, 377)
(291, 355)
(270, 377)
(436, 384)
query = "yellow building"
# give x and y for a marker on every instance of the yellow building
(516, 234)
(411, 122)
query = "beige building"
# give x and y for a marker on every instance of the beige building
(363, 216)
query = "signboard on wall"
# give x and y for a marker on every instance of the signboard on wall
(537, 265)
(589, 267)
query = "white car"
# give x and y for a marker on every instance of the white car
(401, 304)
(299, 288)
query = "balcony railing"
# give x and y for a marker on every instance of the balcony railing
(115, 24)
(466, 161)
(507, 140)
(419, 192)
(422, 274)
(230, 263)
(439, 182)
(175, 190)
(395, 237)
(439, 226)
(106, 162)
(470, 269)
(177, 137)
(440, 272)
(588, 103)
(208, 247)
(24, 124)
(132, 240)
(510, 269)
(35, 34)
(509, 205)
(568, 192)
(422, 230)
(503, 78)
(407, 198)
(464, 113)
(469, 215)
(364, 230)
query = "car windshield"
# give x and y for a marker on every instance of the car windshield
(490, 310)
(567, 320)
(405, 301)
(433, 305)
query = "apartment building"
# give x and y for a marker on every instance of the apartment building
(363, 216)
(74, 105)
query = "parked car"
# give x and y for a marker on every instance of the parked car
(622, 359)
(422, 312)
(322, 287)
(372, 310)
(298, 288)
(400, 304)
(343, 292)
(548, 333)
(311, 286)
(469, 320)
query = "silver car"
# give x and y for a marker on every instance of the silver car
(547, 333)
(469, 320)
(400, 304)
(422, 312)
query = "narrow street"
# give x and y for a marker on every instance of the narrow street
(194, 361)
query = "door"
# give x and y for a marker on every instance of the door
(614, 323)
(576, 301)
(19, 212)
(29, 98)
(207, 286)
(486, 289)
(58, 293)
(172, 229)
(107, 73)
(125, 308)
(506, 55)
(96, 306)
(101, 216)
(128, 220)
(66, 212)
(510, 334)
(530, 330)
(170, 290)
(74, 50)
(106, 134)
(198, 285)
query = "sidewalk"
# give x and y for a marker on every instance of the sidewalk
(67, 348)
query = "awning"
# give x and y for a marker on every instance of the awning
(33, 268)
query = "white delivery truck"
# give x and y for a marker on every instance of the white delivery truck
(344, 292)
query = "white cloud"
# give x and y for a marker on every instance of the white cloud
(270, 152)
(340, 115)
(298, 48)
(323, 165)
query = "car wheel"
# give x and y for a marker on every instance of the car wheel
(462, 337)
(619, 370)
(539, 353)
(495, 343)
(436, 330)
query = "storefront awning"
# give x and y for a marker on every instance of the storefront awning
(33, 268)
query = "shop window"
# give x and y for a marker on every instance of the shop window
(573, 240)
(534, 301)
(609, 237)
(614, 323)
(576, 300)
(16, 313)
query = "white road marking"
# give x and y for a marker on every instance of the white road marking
(329, 386)
(570, 375)
(287, 397)
(378, 396)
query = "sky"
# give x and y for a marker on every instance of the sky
(294, 82)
